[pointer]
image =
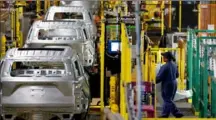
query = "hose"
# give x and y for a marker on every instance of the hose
(138, 60)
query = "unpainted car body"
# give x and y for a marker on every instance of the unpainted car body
(59, 86)
(92, 6)
(73, 13)
(65, 33)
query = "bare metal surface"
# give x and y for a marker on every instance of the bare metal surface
(87, 16)
(48, 93)
(63, 33)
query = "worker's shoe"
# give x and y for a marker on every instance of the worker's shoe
(178, 115)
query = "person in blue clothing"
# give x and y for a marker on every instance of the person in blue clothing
(167, 76)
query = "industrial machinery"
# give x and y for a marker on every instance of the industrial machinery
(73, 13)
(38, 81)
(64, 33)
(200, 58)
(37, 76)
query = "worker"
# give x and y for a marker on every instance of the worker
(167, 76)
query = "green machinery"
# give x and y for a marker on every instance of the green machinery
(197, 78)
(114, 29)
(207, 69)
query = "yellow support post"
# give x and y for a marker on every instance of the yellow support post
(125, 69)
(3, 46)
(199, 12)
(179, 69)
(153, 67)
(48, 4)
(45, 5)
(162, 18)
(180, 15)
(12, 19)
(18, 18)
(56, 2)
(158, 56)
(170, 14)
(146, 72)
(17, 27)
(38, 7)
(13, 27)
(21, 27)
(102, 59)
(183, 67)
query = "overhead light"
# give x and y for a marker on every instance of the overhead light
(195, 10)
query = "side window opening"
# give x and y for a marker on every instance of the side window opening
(68, 15)
(78, 72)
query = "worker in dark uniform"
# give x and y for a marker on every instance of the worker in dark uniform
(167, 76)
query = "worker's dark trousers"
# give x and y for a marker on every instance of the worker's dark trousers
(168, 94)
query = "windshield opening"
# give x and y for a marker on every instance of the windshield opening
(57, 33)
(68, 15)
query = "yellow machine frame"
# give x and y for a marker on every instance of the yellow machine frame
(18, 17)
(3, 46)
(13, 26)
(38, 7)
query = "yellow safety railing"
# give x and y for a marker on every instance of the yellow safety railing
(153, 57)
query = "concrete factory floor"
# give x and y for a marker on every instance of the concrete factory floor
(184, 107)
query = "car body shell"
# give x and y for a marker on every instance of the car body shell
(65, 33)
(87, 16)
(30, 91)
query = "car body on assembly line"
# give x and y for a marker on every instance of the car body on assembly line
(73, 13)
(65, 33)
(37, 81)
